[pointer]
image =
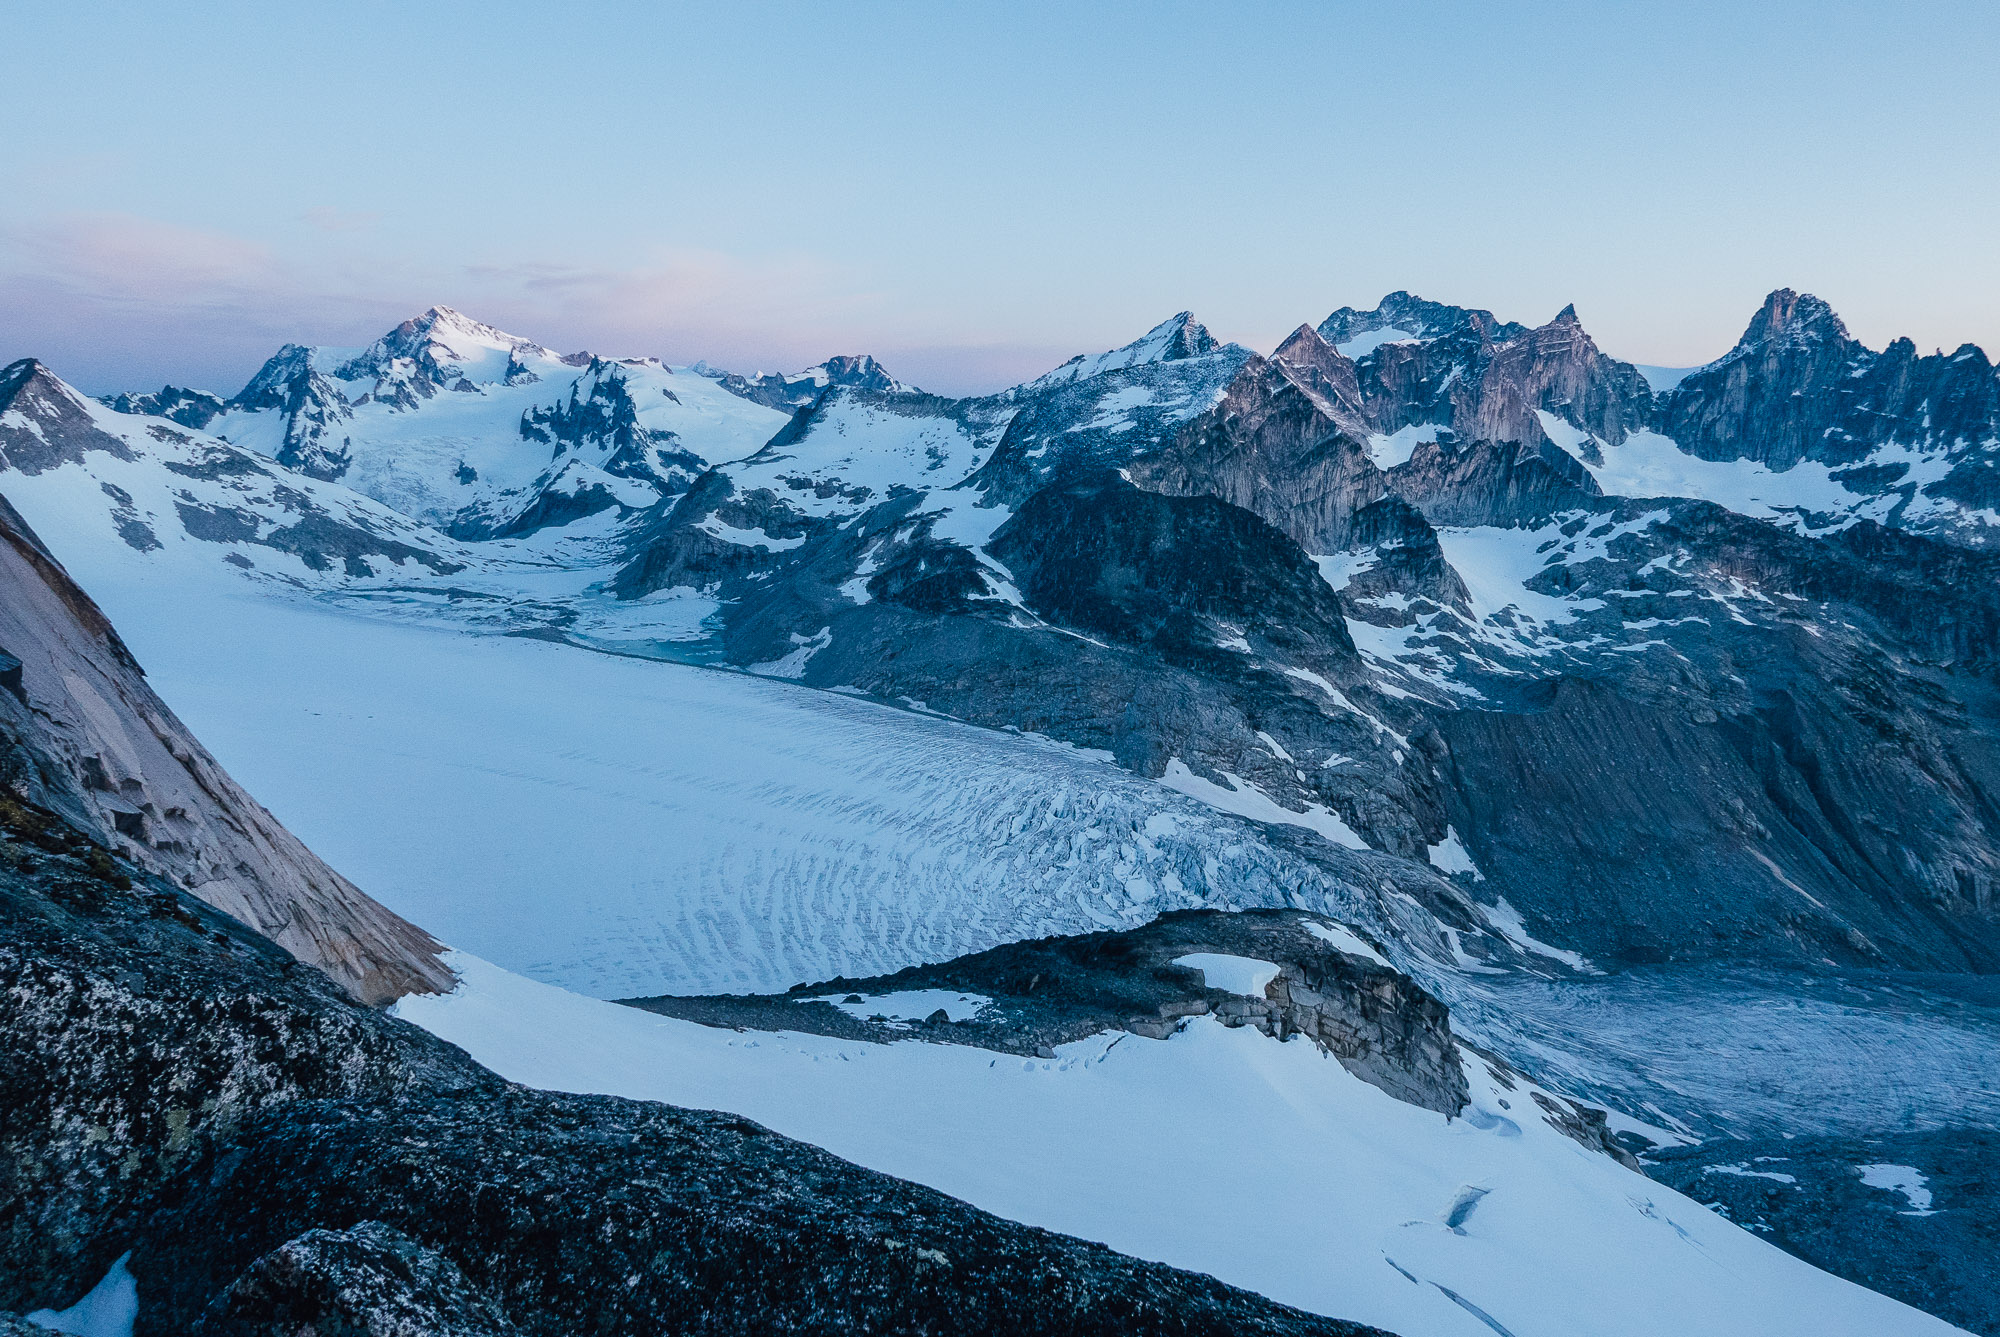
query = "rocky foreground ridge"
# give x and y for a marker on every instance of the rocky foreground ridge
(276, 1158)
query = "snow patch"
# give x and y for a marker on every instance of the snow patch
(109, 1310)
(1449, 856)
(1743, 1171)
(1512, 927)
(908, 1004)
(1344, 939)
(1361, 345)
(1246, 800)
(1244, 975)
(1389, 449)
(1904, 1179)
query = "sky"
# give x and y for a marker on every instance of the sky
(975, 192)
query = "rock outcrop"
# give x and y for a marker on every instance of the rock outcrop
(85, 735)
(278, 1159)
(1331, 989)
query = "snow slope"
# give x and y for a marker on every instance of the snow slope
(1265, 1164)
(141, 493)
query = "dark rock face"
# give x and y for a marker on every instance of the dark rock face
(1492, 483)
(136, 1022)
(279, 1159)
(87, 737)
(1807, 1195)
(189, 408)
(1805, 784)
(1558, 369)
(1275, 447)
(618, 1216)
(1378, 1022)
(365, 1280)
(1797, 387)
(1485, 380)
(1406, 575)
(1103, 556)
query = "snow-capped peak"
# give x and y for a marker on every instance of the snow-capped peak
(1179, 336)
(445, 345)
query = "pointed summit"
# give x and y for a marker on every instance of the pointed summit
(45, 423)
(441, 336)
(1566, 316)
(1792, 319)
(1178, 337)
(1319, 368)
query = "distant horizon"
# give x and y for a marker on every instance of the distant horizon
(227, 389)
(975, 195)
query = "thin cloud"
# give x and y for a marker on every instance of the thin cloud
(118, 300)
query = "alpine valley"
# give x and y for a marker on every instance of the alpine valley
(1429, 829)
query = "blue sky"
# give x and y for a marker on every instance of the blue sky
(975, 192)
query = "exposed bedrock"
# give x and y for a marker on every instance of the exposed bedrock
(279, 1159)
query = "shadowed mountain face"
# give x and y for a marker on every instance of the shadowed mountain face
(1798, 387)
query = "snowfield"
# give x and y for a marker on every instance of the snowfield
(1267, 1165)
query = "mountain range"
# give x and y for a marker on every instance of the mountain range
(1547, 675)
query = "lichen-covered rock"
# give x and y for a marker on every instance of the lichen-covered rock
(136, 1022)
(366, 1281)
(595, 1214)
